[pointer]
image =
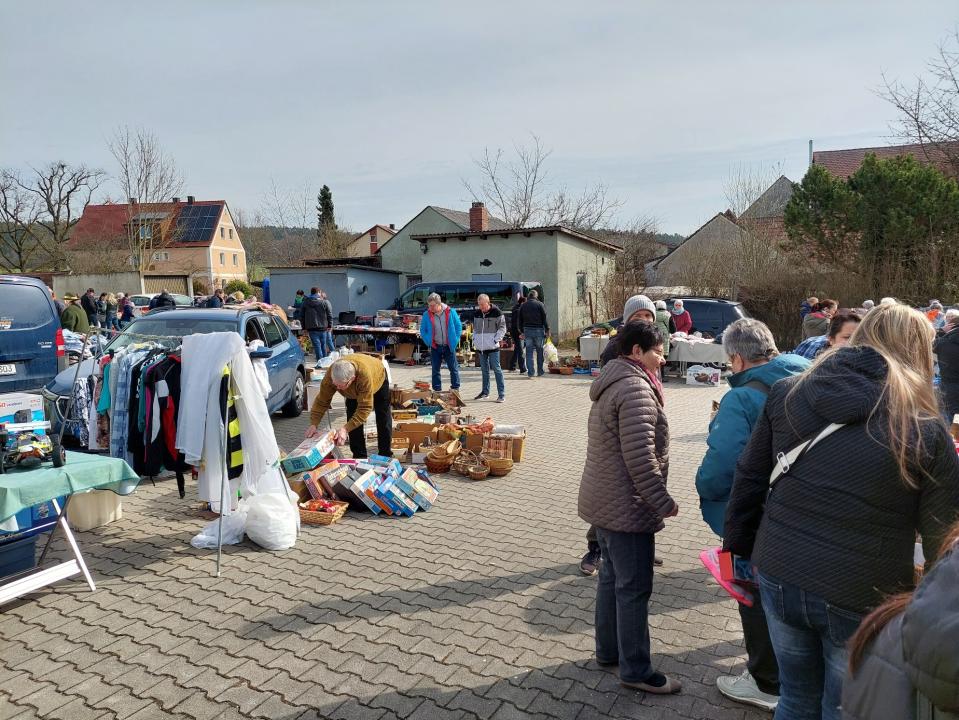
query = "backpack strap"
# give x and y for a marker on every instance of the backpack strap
(785, 461)
(757, 385)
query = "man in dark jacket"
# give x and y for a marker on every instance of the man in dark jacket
(533, 328)
(946, 348)
(216, 299)
(519, 353)
(757, 366)
(317, 319)
(73, 317)
(89, 304)
(164, 299)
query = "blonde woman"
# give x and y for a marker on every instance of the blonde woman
(112, 322)
(836, 533)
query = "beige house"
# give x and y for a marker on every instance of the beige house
(192, 241)
(367, 243)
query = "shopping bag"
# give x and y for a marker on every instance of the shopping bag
(710, 558)
(233, 525)
(550, 352)
(271, 521)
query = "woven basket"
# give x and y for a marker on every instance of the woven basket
(479, 472)
(450, 449)
(317, 517)
(438, 464)
(461, 465)
(498, 465)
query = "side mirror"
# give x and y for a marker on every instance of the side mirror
(261, 353)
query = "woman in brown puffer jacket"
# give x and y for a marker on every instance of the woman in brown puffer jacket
(623, 493)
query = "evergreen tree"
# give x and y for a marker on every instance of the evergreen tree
(324, 211)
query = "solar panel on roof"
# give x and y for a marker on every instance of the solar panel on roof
(196, 222)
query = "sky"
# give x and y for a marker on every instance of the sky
(390, 103)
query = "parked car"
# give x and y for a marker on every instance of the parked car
(283, 355)
(461, 296)
(141, 302)
(32, 350)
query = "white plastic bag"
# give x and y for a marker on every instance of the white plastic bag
(233, 525)
(550, 353)
(271, 521)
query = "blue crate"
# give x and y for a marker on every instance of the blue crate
(34, 520)
(17, 555)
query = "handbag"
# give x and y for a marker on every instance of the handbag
(784, 461)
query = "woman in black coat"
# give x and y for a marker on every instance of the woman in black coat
(836, 533)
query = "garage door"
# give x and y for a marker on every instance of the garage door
(173, 283)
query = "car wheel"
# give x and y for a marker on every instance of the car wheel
(294, 408)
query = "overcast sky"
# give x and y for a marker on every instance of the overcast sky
(389, 102)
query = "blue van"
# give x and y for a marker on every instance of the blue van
(32, 350)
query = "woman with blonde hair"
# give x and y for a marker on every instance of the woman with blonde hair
(112, 322)
(846, 464)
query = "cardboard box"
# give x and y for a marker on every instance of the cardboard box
(312, 391)
(403, 351)
(18, 407)
(415, 432)
(422, 493)
(308, 454)
(703, 375)
(359, 487)
(319, 483)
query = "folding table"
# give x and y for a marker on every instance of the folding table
(22, 489)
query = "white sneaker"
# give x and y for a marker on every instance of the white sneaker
(744, 689)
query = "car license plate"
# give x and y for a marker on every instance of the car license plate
(8, 369)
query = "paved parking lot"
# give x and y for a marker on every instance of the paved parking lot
(475, 609)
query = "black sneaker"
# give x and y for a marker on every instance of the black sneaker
(481, 396)
(589, 565)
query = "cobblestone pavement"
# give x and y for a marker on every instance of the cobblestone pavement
(475, 609)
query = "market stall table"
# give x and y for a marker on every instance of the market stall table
(695, 352)
(389, 335)
(22, 489)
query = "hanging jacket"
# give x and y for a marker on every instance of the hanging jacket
(488, 329)
(841, 523)
(623, 487)
(911, 670)
(730, 430)
(454, 327)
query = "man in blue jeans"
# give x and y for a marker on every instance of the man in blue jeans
(317, 319)
(441, 329)
(533, 328)
(489, 329)
(328, 344)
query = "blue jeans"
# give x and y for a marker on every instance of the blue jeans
(318, 340)
(437, 356)
(533, 339)
(622, 602)
(490, 359)
(328, 345)
(809, 635)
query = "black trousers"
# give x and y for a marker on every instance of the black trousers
(760, 657)
(384, 424)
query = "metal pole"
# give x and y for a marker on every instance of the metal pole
(223, 485)
(73, 392)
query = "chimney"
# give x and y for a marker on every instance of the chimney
(176, 200)
(392, 226)
(132, 201)
(373, 243)
(190, 199)
(479, 218)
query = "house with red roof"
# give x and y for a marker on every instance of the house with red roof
(843, 163)
(195, 239)
(367, 243)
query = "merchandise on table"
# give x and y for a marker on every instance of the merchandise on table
(703, 375)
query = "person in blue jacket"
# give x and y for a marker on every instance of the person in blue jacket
(440, 329)
(756, 365)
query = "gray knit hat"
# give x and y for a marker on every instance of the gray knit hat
(636, 303)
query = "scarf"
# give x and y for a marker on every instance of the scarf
(653, 380)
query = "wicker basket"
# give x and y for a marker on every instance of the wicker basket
(318, 517)
(438, 464)
(498, 465)
(461, 465)
(479, 472)
(450, 449)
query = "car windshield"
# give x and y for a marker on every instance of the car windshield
(170, 325)
(141, 300)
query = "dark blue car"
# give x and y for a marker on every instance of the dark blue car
(282, 352)
(31, 342)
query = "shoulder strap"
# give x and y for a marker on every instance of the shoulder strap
(785, 461)
(757, 385)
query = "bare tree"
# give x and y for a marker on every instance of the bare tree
(929, 109)
(520, 192)
(147, 175)
(40, 209)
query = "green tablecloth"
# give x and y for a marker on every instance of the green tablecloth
(20, 489)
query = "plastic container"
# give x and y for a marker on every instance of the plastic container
(94, 509)
(17, 555)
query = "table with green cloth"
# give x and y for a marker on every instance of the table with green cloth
(21, 489)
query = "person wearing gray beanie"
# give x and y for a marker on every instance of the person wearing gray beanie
(636, 304)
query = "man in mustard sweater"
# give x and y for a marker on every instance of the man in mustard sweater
(361, 379)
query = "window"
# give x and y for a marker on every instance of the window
(581, 287)
(415, 299)
(222, 233)
(222, 258)
(161, 256)
(231, 233)
(146, 232)
(234, 258)
(274, 333)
